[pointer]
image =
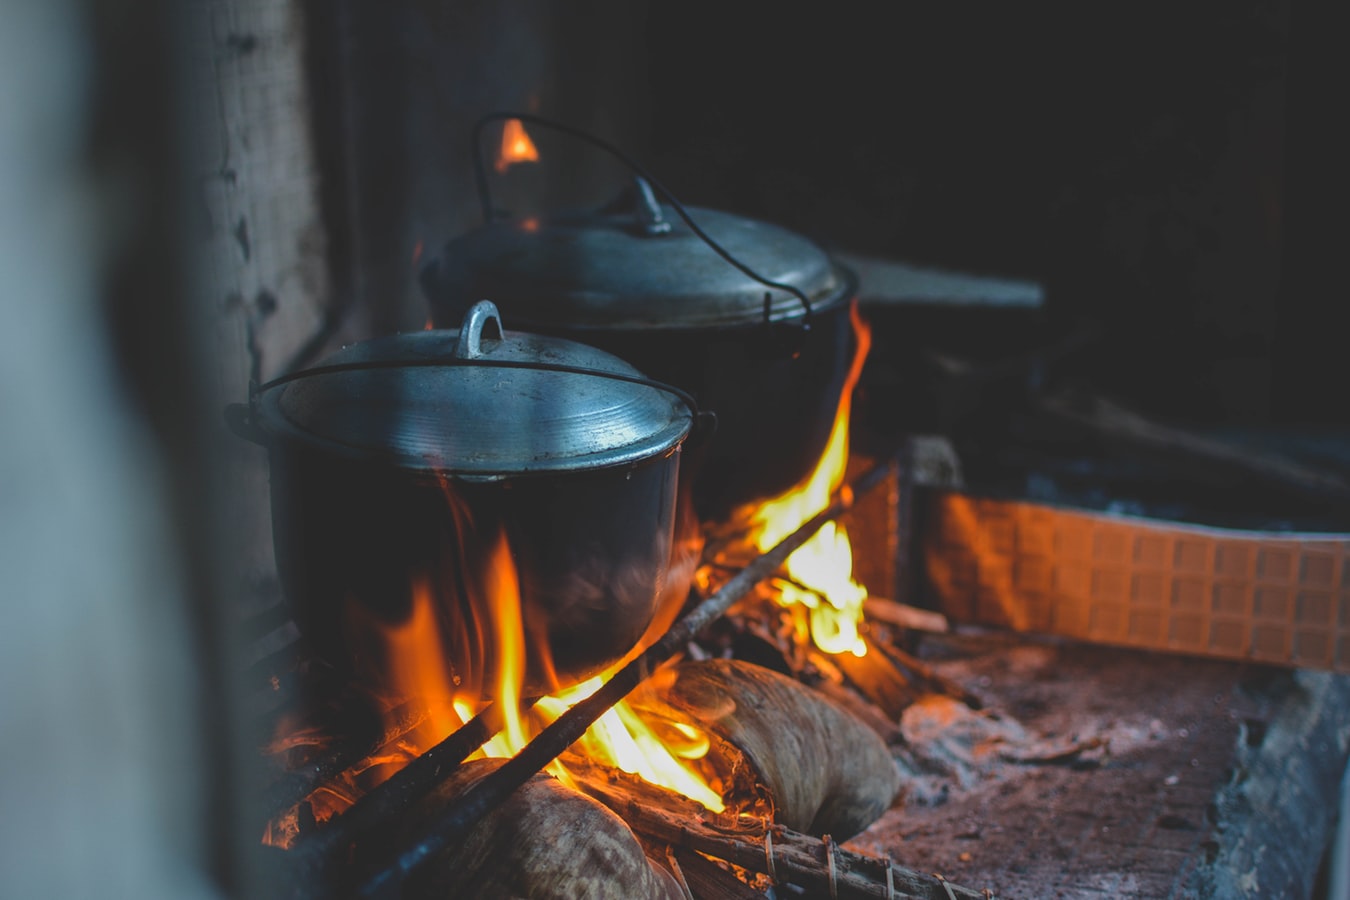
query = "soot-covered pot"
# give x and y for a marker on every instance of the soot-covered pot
(459, 467)
(636, 280)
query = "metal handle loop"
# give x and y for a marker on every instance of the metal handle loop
(470, 343)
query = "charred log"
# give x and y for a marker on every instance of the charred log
(785, 856)
(825, 771)
(546, 842)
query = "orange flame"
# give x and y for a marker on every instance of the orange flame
(516, 146)
(418, 667)
(821, 570)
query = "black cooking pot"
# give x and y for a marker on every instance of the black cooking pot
(637, 280)
(400, 464)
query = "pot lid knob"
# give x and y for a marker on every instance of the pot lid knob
(651, 222)
(470, 343)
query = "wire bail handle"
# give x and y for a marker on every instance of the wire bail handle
(645, 184)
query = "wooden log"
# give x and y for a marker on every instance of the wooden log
(932, 676)
(705, 879)
(315, 852)
(818, 865)
(902, 615)
(546, 842)
(886, 728)
(825, 771)
(876, 676)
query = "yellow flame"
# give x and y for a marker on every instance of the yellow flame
(619, 738)
(516, 146)
(504, 590)
(822, 568)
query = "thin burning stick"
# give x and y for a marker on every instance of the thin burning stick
(454, 824)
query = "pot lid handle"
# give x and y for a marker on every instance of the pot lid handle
(648, 209)
(470, 343)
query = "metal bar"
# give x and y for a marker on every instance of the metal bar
(313, 854)
(295, 786)
(455, 823)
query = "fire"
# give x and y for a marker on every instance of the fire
(419, 668)
(821, 571)
(516, 146)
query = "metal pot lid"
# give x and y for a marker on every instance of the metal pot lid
(640, 266)
(477, 402)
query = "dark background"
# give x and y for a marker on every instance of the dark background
(1171, 171)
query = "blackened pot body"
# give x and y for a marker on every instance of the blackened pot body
(357, 544)
(481, 504)
(773, 387)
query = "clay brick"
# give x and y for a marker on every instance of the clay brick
(1227, 636)
(1312, 648)
(1186, 631)
(1109, 586)
(1107, 622)
(1074, 581)
(1071, 617)
(1036, 535)
(1032, 574)
(1270, 641)
(1110, 545)
(1189, 593)
(1314, 608)
(1146, 626)
(1073, 540)
(1148, 589)
(1151, 551)
(999, 532)
(1191, 555)
(1232, 560)
(1272, 603)
(1319, 570)
(1275, 564)
(1231, 598)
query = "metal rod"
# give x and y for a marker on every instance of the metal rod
(460, 817)
(413, 781)
(295, 786)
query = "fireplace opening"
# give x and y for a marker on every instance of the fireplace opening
(1023, 569)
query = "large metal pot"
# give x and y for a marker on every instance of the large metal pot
(401, 463)
(638, 281)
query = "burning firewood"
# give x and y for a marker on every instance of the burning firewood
(763, 854)
(545, 842)
(825, 771)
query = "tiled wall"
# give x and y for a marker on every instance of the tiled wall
(1234, 594)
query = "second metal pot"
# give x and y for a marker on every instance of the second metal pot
(636, 280)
